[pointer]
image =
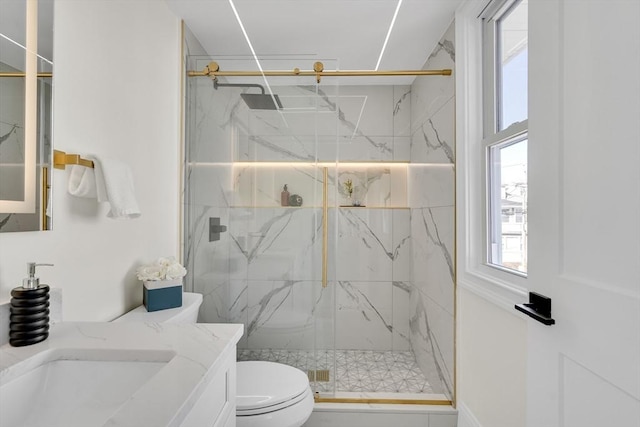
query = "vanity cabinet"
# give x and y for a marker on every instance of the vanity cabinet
(216, 406)
(186, 376)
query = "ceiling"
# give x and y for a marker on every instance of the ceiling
(343, 34)
(13, 33)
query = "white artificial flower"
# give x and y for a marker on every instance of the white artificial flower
(150, 272)
(165, 262)
(175, 271)
(162, 269)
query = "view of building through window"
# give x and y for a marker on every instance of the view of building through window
(512, 175)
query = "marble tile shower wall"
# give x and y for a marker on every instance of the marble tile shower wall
(265, 271)
(330, 123)
(431, 197)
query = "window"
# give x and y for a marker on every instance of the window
(505, 40)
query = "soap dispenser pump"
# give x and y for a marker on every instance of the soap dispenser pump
(29, 319)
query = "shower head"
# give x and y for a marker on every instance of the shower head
(261, 101)
(255, 101)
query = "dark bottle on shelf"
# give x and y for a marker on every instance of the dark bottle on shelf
(29, 319)
(284, 197)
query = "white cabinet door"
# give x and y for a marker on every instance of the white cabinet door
(216, 406)
(584, 218)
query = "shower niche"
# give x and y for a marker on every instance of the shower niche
(352, 284)
(258, 184)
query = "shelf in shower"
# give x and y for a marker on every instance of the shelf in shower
(274, 207)
(320, 164)
(370, 207)
(317, 207)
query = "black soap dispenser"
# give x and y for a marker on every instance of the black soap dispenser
(29, 319)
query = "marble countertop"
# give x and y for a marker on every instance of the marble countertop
(192, 351)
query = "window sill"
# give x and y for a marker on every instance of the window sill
(498, 291)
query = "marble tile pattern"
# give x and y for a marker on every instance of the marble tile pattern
(390, 271)
(432, 107)
(194, 353)
(326, 123)
(265, 273)
(270, 255)
(353, 370)
(257, 186)
(431, 198)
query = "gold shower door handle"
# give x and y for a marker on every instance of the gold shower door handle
(325, 223)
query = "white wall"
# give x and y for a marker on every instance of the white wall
(117, 91)
(491, 335)
(492, 369)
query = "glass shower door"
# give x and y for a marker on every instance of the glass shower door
(346, 274)
(255, 170)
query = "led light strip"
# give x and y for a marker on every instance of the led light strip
(253, 52)
(393, 21)
(24, 47)
(261, 164)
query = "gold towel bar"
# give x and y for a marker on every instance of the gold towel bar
(62, 159)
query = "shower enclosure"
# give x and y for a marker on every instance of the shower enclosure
(316, 224)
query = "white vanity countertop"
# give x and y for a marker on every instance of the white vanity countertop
(193, 352)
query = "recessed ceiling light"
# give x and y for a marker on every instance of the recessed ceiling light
(253, 52)
(384, 46)
(23, 47)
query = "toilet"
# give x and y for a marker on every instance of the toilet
(268, 394)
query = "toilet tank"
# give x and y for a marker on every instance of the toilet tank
(188, 313)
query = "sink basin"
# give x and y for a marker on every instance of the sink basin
(107, 374)
(65, 391)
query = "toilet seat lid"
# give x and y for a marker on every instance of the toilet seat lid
(265, 384)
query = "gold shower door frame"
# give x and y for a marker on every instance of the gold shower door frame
(325, 208)
(322, 375)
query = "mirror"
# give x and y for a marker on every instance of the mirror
(26, 63)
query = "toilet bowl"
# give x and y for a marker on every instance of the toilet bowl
(268, 394)
(272, 395)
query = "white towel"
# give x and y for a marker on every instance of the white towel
(82, 182)
(114, 184)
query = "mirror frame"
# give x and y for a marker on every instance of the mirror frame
(32, 154)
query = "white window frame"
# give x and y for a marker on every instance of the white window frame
(502, 287)
(515, 133)
(493, 137)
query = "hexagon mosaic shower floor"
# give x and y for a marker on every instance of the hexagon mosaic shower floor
(357, 370)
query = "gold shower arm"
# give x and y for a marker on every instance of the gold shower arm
(213, 70)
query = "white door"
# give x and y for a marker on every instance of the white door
(584, 218)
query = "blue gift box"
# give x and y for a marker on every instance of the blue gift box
(162, 294)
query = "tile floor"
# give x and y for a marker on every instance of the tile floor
(357, 371)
